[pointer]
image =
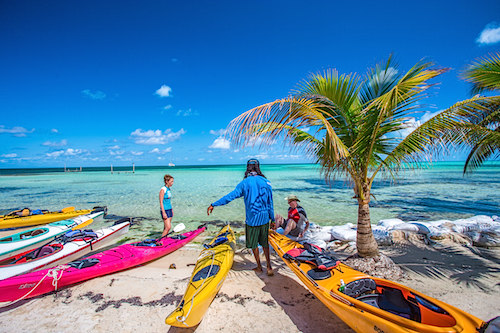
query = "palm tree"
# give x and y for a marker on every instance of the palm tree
(351, 126)
(482, 129)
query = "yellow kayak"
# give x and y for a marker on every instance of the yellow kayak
(211, 269)
(26, 217)
(367, 303)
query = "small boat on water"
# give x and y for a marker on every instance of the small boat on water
(109, 261)
(27, 217)
(30, 239)
(367, 303)
(70, 246)
(209, 273)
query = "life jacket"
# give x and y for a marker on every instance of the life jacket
(314, 255)
(86, 235)
(294, 213)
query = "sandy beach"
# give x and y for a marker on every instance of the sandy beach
(141, 298)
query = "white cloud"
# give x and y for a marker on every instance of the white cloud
(260, 156)
(9, 155)
(428, 115)
(255, 141)
(97, 95)
(288, 157)
(220, 143)
(187, 113)
(384, 75)
(115, 147)
(218, 132)
(55, 153)
(161, 151)
(155, 137)
(116, 152)
(137, 153)
(167, 107)
(489, 35)
(67, 152)
(409, 126)
(74, 152)
(54, 130)
(16, 131)
(164, 91)
(62, 143)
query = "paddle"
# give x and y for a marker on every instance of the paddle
(84, 224)
(68, 209)
(177, 228)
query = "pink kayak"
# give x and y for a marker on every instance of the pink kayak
(113, 260)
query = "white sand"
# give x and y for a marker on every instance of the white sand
(139, 299)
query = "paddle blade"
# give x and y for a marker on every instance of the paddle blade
(84, 224)
(67, 209)
(179, 227)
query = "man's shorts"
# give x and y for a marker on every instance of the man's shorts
(257, 235)
(168, 212)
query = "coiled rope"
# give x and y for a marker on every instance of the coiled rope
(53, 273)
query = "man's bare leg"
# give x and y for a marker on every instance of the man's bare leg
(289, 227)
(268, 261)
(255, 251)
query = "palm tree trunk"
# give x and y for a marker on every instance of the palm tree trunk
(365, 242)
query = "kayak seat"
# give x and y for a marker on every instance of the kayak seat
(393, 301)
(370, 299)
(359, 287)
(45, 250)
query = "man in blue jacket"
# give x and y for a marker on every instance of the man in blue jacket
(257, 194)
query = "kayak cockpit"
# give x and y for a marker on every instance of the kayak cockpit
(32, 255)
(399, 301)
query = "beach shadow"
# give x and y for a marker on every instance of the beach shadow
(458, 263)
(6, 308)
(174, 329)
(300, 305)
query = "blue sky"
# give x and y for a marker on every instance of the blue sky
(94, 83)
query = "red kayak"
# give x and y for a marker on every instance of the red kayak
(116, 259)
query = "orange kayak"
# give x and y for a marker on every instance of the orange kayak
(367, 303)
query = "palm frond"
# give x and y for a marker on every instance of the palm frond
(294, 112)
(486, 148)
(383, 114)
(484, 74)
(452, 125)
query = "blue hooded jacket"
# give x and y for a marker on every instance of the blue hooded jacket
(258, 196)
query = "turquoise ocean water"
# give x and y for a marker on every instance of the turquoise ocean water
(437, 192)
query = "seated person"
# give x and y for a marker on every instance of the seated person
(297, 223)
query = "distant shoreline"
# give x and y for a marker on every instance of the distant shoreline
(38, 170)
